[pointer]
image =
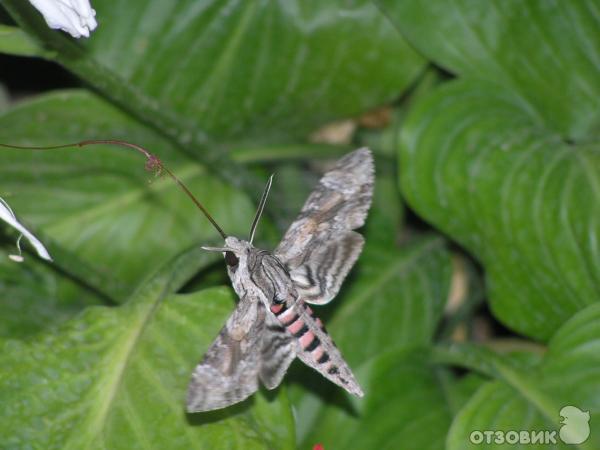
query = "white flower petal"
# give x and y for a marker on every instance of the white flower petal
(76, 17)
(8, 216)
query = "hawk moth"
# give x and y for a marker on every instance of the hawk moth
(272, 323)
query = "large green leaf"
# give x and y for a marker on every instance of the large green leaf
(33, 296)
(476, 163)
(98, 202)
(545, 51)
(240, 68)
(392, 307)
(116, 377)
(569, 374)
(405, 407)
(201, 71)
(14, 41)
(387, 210)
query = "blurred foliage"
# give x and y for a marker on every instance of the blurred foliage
(482, 242)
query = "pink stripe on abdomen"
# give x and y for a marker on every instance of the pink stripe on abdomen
(296, 326)
(306, 339)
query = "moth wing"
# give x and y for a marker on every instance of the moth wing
(279, 348)
(338, 204)
(320, 248)
(228, 372)
(319, 278)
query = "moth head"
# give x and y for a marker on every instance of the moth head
(234, 251)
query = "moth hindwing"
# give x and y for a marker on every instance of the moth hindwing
(273, 323)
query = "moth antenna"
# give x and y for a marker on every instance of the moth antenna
(152, 163)
(261, 207)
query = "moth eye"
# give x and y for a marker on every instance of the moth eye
(231, 260)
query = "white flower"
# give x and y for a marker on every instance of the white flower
(76, 17)
(9, 217)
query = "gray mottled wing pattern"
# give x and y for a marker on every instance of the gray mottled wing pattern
(320, 248)
(278, 350)
(251, 345)
(319, 278)
(228, 373)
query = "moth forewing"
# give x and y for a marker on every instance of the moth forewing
(338, 204)
(272, 323)
(228, 373)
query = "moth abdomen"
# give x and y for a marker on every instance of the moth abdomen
(313, 345)
(301, 329)
(318, 322)
(323, 357)
(333, 370)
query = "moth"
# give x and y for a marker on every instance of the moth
(273, 323)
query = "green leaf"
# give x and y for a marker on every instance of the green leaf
(4, 98)
(203, 72)
(99, 203)
(531, 399)
(255, 69)
(35, 297)
(394, 305)
(276, 153)
(478, 165)
(458, 389)
(14, 41)
(116, 377)
(387, 211)
(405, 407)
(545, 52)
(384, 141)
